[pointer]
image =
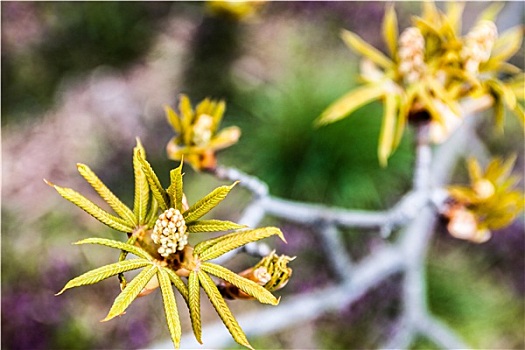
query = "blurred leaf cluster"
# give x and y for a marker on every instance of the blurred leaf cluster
(431, 68)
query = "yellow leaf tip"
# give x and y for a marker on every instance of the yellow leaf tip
(281, 235)
(49, 183)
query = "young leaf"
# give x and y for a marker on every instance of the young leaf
(138, 251)
(131, 291)
(225, 138)
(141, 200)
(178, 283)
(390, 31)
(222, 309)
(170, 307)
(173, 119)
(106, 194)
(153, 213)
(502, 92)
(187, 117)
(386, 137)
(207, 203)
(454, 13)
(92, 209)
(156, 188)
(195, 305)
(506, 45)
(175, 188)
(490, 13)
(234, 240)
(350, 102)
(362, 47)
(203, 107)
(474, 170)
(97, 275)
(217, 114)
(213, 226)
(244, 284)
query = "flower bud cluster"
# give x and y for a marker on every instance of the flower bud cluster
(411, 54)
(170, 232)
(478, 45)
(202, 130)
(272, 271)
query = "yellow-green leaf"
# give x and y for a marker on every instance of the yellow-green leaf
(101, 273)
(195, 305)
(430, 11)
(350, 102)
(178, 283)
(454, 13)
(491, 12)
(386, 137)
(92, 209)
(213, 226)
(474, 170)
(141, 200)
(225, 138)
(405, 104)
(244, 284)
(235, 240)
(365, 49)
(105, 193)
(186, 110)
(170, 307)
(130, 293)
(520, 113)
(175, 188)
(203, 107)
(173, 119)
(207, 203)
(217, 114)
(133, 249)
(390, 31)
(222, 309)
(153, 213)
(506, 45)
(503, 92)
(156, 188)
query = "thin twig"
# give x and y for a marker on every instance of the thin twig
(335, 251)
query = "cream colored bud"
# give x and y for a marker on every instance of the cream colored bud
(261, 275)
(411, 53)
(463, 224)
(484, 188)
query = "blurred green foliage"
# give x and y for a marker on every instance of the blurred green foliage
(336, 164)
(481, 306)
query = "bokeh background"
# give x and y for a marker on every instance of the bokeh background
(81, 80)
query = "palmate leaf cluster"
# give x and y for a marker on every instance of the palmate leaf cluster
(190, 262)
(491, 195)
(197, 132)
(444, 77)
